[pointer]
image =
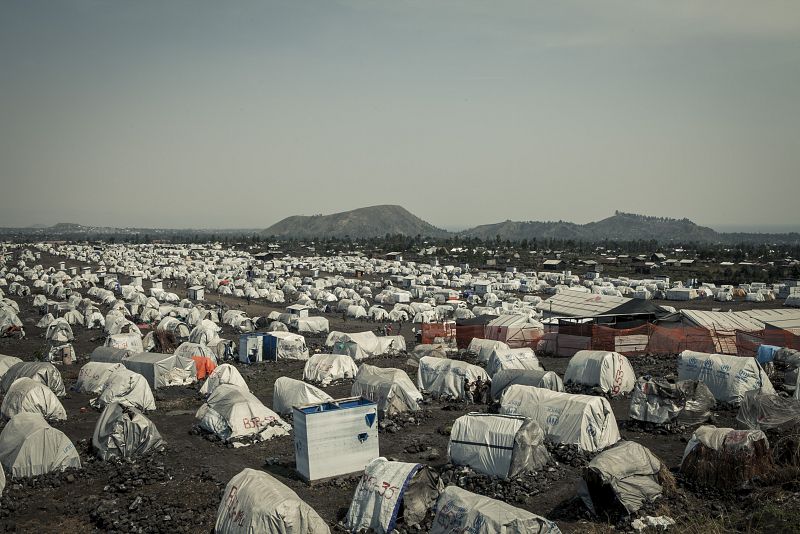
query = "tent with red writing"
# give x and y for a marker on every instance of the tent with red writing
(232, 413)
(610, 371)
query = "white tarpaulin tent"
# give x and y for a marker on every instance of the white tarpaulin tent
(6, 362)
(390, 389)
(385, 489)
(30, 447)
(288, 346)
(29, 395)
(582, 420)
(628, 470)
(515, 330)
(728, 377)
(448, 378)
(93, 376)
(289, 392)
(124, 432)
(233, 413)
(128, 388)
(110, 355)
(525, 377)
(523, 358)
(162, 370)
(324, 369)
(503, 446)
(611, 371)
(459, 510)
(310, 325)
(131, 341)
(43, 372)
(483, 348)
(224, 374)
(255, 502)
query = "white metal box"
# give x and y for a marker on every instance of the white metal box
(335, 438)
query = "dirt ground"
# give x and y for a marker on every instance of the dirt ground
(179, 490)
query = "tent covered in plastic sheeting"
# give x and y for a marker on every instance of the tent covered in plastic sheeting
(162, 370)
(59, 331)
(728, 377)
(224, 374)
(110, 355)
(525, 377)
(232, 413)
(130, 341)
(431, 350)
(358, 345)
(390, 389)
(504, 446)
(324, 369)
(726, 458)
(515, 330)
(254, 501)
(205, 332)
(611, 371)
(764, 411)
(7, 362)
(385, 489)
(285, 346)
(483, 348)
(656, 400)
(583, 420)
(625, 475)
(43, 372)
(31, 447)
(126, 387)
(93, 376)
(523, 358)
(29, 395)
(124, 432)
(289, 392)
(450, 378)
(175, 327)
(310, 325)
(205, 361)
(459, 510)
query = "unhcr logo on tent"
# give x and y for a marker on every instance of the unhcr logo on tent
(552, 419)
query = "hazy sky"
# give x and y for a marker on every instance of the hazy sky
(236, 114)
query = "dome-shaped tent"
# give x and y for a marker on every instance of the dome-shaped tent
(123, 432)
(29, 395)
(223, 374)
(30, 447)
(43, 372)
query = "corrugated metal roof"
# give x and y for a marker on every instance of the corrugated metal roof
(722, 321)
(571, 303)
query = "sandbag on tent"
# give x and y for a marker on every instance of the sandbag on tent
(459, 511)
(504, 446)
(285, 346)
(7, 362)
(726, 458)
(124, 432)
(29, 395)
(162, 370)
(390, 389)
(387, 488)
(130, 341)
(224, 374)
(728, 377)
(289, 392)
(451, 378)
(256, 502)
(93, 376)
(611, 371)
(483, 348)
(325, 369)
(524, 377)
(764, 411)
(43, 372)
(232, 413)
(523, 358)
(126, 387)
(205, 361)
(659, 401)
(31, 447)
(626, 475)
(583, 420)
(310, 325)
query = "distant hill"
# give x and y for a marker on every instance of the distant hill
(621, 227)
(373, 221)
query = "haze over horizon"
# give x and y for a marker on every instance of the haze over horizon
(236, 115)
